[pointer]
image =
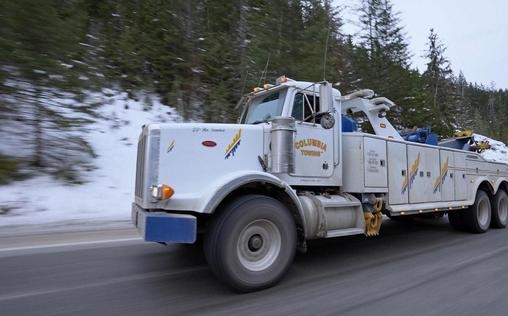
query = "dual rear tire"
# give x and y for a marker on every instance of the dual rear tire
(484, 213)
(500, 210)
(477, 218)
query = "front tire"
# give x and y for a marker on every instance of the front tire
(252, 243)
(477, 218)
(499, 210)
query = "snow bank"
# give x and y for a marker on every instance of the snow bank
(108, 192)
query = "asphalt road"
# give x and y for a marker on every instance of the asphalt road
(423, 268)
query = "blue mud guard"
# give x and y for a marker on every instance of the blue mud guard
(164, 227)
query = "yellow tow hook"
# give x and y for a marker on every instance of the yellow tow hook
(374, 219)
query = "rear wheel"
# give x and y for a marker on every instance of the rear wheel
(476, 219)
(499, 210)
(252, 243)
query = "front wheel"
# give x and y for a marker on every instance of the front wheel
(252, 243)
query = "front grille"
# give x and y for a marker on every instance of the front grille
(140, 167)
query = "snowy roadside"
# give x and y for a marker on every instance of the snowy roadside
(41, 203)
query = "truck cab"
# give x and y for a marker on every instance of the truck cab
(311, 124)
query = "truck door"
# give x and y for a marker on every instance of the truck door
(460, 176)
(313, 145)
(444, 182)
(423, 168)
(398, 179)
(374, 163)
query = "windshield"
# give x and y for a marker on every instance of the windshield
(262, 108)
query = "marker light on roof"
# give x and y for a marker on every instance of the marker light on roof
(281, 80)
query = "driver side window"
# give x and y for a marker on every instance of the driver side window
(304, 106)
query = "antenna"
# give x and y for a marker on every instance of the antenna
(326, 50)
(245, 75)
(263, 74)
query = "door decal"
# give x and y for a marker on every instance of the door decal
(442, 176)
(235, 143)
(409, 178)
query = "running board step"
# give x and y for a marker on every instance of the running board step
(331, 204)
(344, 232)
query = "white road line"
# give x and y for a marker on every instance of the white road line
(77, 243)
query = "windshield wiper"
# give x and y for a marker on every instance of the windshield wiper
(265, 120)
(259, 121)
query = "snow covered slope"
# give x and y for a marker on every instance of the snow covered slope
(108, 192)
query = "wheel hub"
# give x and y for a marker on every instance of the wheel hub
(483, 213)
(259, 245)
(255, 242)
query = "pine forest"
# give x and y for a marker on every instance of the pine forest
(201, 56)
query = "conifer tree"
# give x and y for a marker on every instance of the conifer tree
(383, 57)
(41, 50)
(463, 108)
(438, 86)
(200, 56)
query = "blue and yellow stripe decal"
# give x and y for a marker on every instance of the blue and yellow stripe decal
(409, 178)
(233, 146)
(442, 176)
(171, 146)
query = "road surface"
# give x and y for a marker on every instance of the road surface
(423, 268)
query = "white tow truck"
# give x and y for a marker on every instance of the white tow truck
(295, 168)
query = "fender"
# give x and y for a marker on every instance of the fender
(223, 186)
(497, 184)
(476, 185)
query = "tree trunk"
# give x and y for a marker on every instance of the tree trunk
(38, 132)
